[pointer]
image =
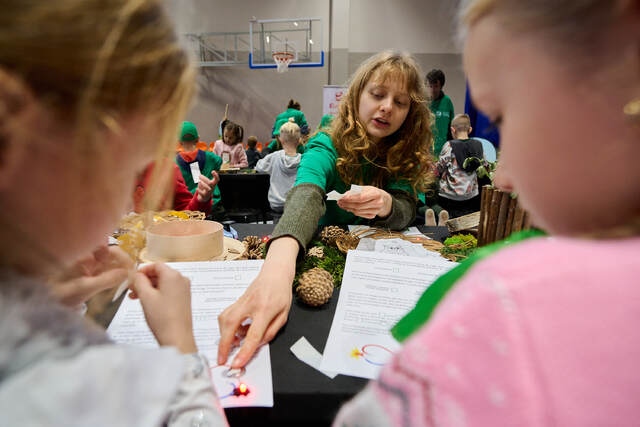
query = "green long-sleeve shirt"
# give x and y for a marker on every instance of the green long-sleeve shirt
(306, 207)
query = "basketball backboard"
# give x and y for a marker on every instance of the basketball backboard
(301, 37)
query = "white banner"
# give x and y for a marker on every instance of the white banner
(331, 96)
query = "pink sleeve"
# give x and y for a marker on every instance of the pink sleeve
(217, 147)
(470, 364)
(239, 157)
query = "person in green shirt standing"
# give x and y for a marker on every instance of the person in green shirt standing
(380, 140)
(442, 108)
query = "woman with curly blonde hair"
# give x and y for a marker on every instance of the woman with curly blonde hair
(380, 140)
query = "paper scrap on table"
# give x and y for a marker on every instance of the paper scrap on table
(334, 195)
(377, 290)
(214, 286)
(306, 353)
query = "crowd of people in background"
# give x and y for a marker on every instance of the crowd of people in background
(534, 332)
(454, 192)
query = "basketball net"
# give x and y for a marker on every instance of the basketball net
(282, 60)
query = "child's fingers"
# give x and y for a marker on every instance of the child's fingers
(142, 285)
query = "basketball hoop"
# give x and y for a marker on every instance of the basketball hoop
(282, 60)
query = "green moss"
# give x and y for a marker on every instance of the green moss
(460, 244)
(333, 262)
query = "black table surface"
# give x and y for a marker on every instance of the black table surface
(302, 395)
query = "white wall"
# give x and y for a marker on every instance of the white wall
(360, 28)
(416, 26)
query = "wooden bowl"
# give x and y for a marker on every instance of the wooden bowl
(190, 240)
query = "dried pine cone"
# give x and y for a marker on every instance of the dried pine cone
(316, 251)
(346, 242)
(330, 233)
(315, 287)
(252, 242)
(255, 253)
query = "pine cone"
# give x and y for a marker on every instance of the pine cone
(330, 233)
(255, 253)
(252, 242)
(316, 251)
(315, 287)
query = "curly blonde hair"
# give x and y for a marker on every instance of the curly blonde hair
(405, 154)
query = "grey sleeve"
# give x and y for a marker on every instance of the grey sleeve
(403, 212)
(303, 209)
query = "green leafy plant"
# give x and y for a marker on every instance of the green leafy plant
(460, 245)
(484, 168)
(333, 261)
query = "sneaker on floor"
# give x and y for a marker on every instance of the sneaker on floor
(443, 217)
(430, 218)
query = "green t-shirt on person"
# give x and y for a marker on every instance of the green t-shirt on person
(442, 109)
(298, 118)
(207, 162)
(318, 166)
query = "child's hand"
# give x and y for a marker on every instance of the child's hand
(206, 186)
(369, 203)
(106, 268)
(165, 296)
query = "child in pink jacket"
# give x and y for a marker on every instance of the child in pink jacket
(230, 147)
(544, 332)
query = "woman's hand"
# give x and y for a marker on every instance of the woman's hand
(204, 191)
(371, 202)
(165, 296)
(266, 302)
(106, 268)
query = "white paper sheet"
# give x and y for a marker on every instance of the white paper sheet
(334, 195)
(214, 286)
(377, 290)
(306, 353)
(396, 246)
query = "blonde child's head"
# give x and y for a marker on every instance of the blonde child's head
(461, 125)
(398, 143)
(566, 142)
(290, 134)
(233, 134)
(89, 91)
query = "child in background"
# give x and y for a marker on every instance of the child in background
(458, 186)
(282, 166)
(230, 147)
(380, 140)
(253, 155)
(276, 144)
(545, 331)
(178, 192)
(121, 84)
(194, 162)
